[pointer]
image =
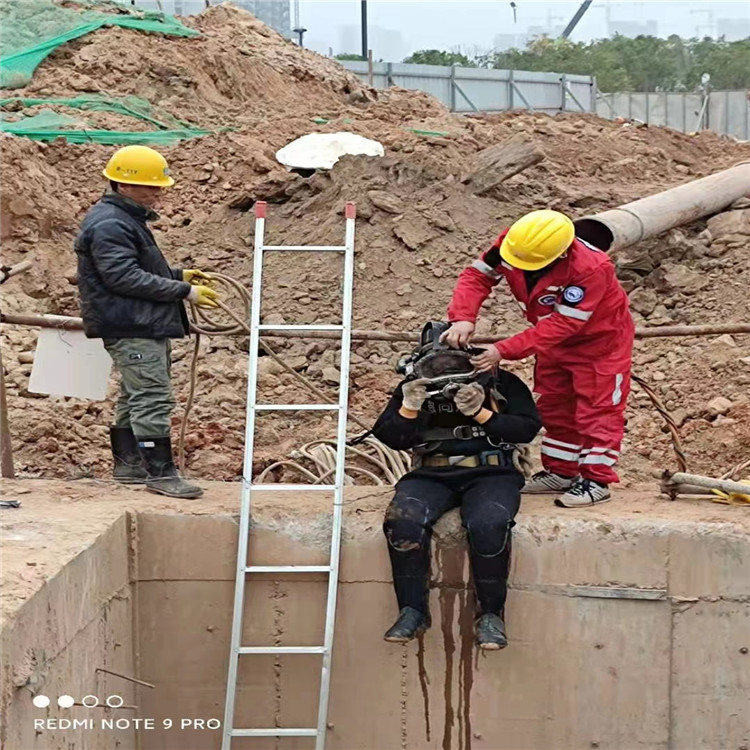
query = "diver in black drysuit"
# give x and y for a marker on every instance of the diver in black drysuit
(480, 421)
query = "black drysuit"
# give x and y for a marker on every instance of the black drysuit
(489, 496)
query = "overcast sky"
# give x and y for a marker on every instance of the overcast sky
(398, 27)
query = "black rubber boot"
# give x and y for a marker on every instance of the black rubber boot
(410, 624)
(129, 467)
(490, 631)
(163, 478)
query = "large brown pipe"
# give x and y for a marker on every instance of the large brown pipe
(660, 212)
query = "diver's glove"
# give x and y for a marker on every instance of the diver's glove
(469, 399)
(415, 393)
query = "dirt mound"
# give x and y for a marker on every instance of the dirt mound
(238, 69)
(419, 224)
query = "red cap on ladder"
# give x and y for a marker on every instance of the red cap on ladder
(260, 209)
(350, 212)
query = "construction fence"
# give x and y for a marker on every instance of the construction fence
(484, 89)
(490, 90)
(725, 112)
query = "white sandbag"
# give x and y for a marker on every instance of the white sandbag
(323, 150)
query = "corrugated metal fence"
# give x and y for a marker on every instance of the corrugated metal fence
(483, 89)
(726, 112)
(490, 90)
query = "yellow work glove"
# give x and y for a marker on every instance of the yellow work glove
(731, 498)
(203, 296)
(196, 276)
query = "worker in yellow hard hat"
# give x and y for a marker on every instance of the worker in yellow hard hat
(582, 338)
(133, 300)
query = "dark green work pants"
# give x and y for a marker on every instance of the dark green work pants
(146, 400)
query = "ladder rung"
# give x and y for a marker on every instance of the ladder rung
(293, 487)
(288, 569)
(297, 407)
(281, 650)
(301, 327)
(307, 248)
(274, 732)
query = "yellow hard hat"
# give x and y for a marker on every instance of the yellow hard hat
(138, 165)
(537, 239)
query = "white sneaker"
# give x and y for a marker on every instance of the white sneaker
(545, 482)
(584, 492)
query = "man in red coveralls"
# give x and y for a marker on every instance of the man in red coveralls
(582, 338)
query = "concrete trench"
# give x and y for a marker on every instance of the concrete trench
(624, 634)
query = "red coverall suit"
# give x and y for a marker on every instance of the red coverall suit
(582, 337)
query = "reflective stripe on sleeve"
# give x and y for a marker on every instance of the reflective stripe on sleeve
(485, 268)
(573, 312)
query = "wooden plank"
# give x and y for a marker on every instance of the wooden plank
(495, 164)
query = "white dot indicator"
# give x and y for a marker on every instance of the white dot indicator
(115, 701)
(90, 701)
(65, 701)
(41, 701)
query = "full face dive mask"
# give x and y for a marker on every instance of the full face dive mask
(445, 369)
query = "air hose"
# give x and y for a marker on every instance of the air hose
(204, 321)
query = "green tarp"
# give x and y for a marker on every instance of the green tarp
(130, 106)
(47, 124)
(32, 29)
(107, 137)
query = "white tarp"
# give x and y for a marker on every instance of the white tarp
(323, 150)
(66, 363)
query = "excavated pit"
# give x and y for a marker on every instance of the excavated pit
(629, 625)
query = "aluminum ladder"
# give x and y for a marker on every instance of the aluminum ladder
(238, 650)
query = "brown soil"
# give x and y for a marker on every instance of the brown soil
(419, 224)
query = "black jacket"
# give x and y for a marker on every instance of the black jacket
(126, 285)
(516, 422)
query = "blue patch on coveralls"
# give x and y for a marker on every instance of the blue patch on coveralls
(547, 299)
(573, 294)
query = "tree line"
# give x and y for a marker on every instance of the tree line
(643, 63)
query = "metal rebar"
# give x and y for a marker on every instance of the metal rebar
(360, 334)
(669, 420)
(125, 677)
(7, 470)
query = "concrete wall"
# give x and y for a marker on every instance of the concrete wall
(627, 635)
(623, 635)
(80, 620)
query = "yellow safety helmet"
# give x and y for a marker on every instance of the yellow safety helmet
(138, 165)
(537, 239)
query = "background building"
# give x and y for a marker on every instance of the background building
(275, 13)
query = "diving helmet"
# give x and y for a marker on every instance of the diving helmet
(445, 369)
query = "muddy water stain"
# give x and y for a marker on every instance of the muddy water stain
(424, 681)
(466, 631)
(449, 581)
(447, 599)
